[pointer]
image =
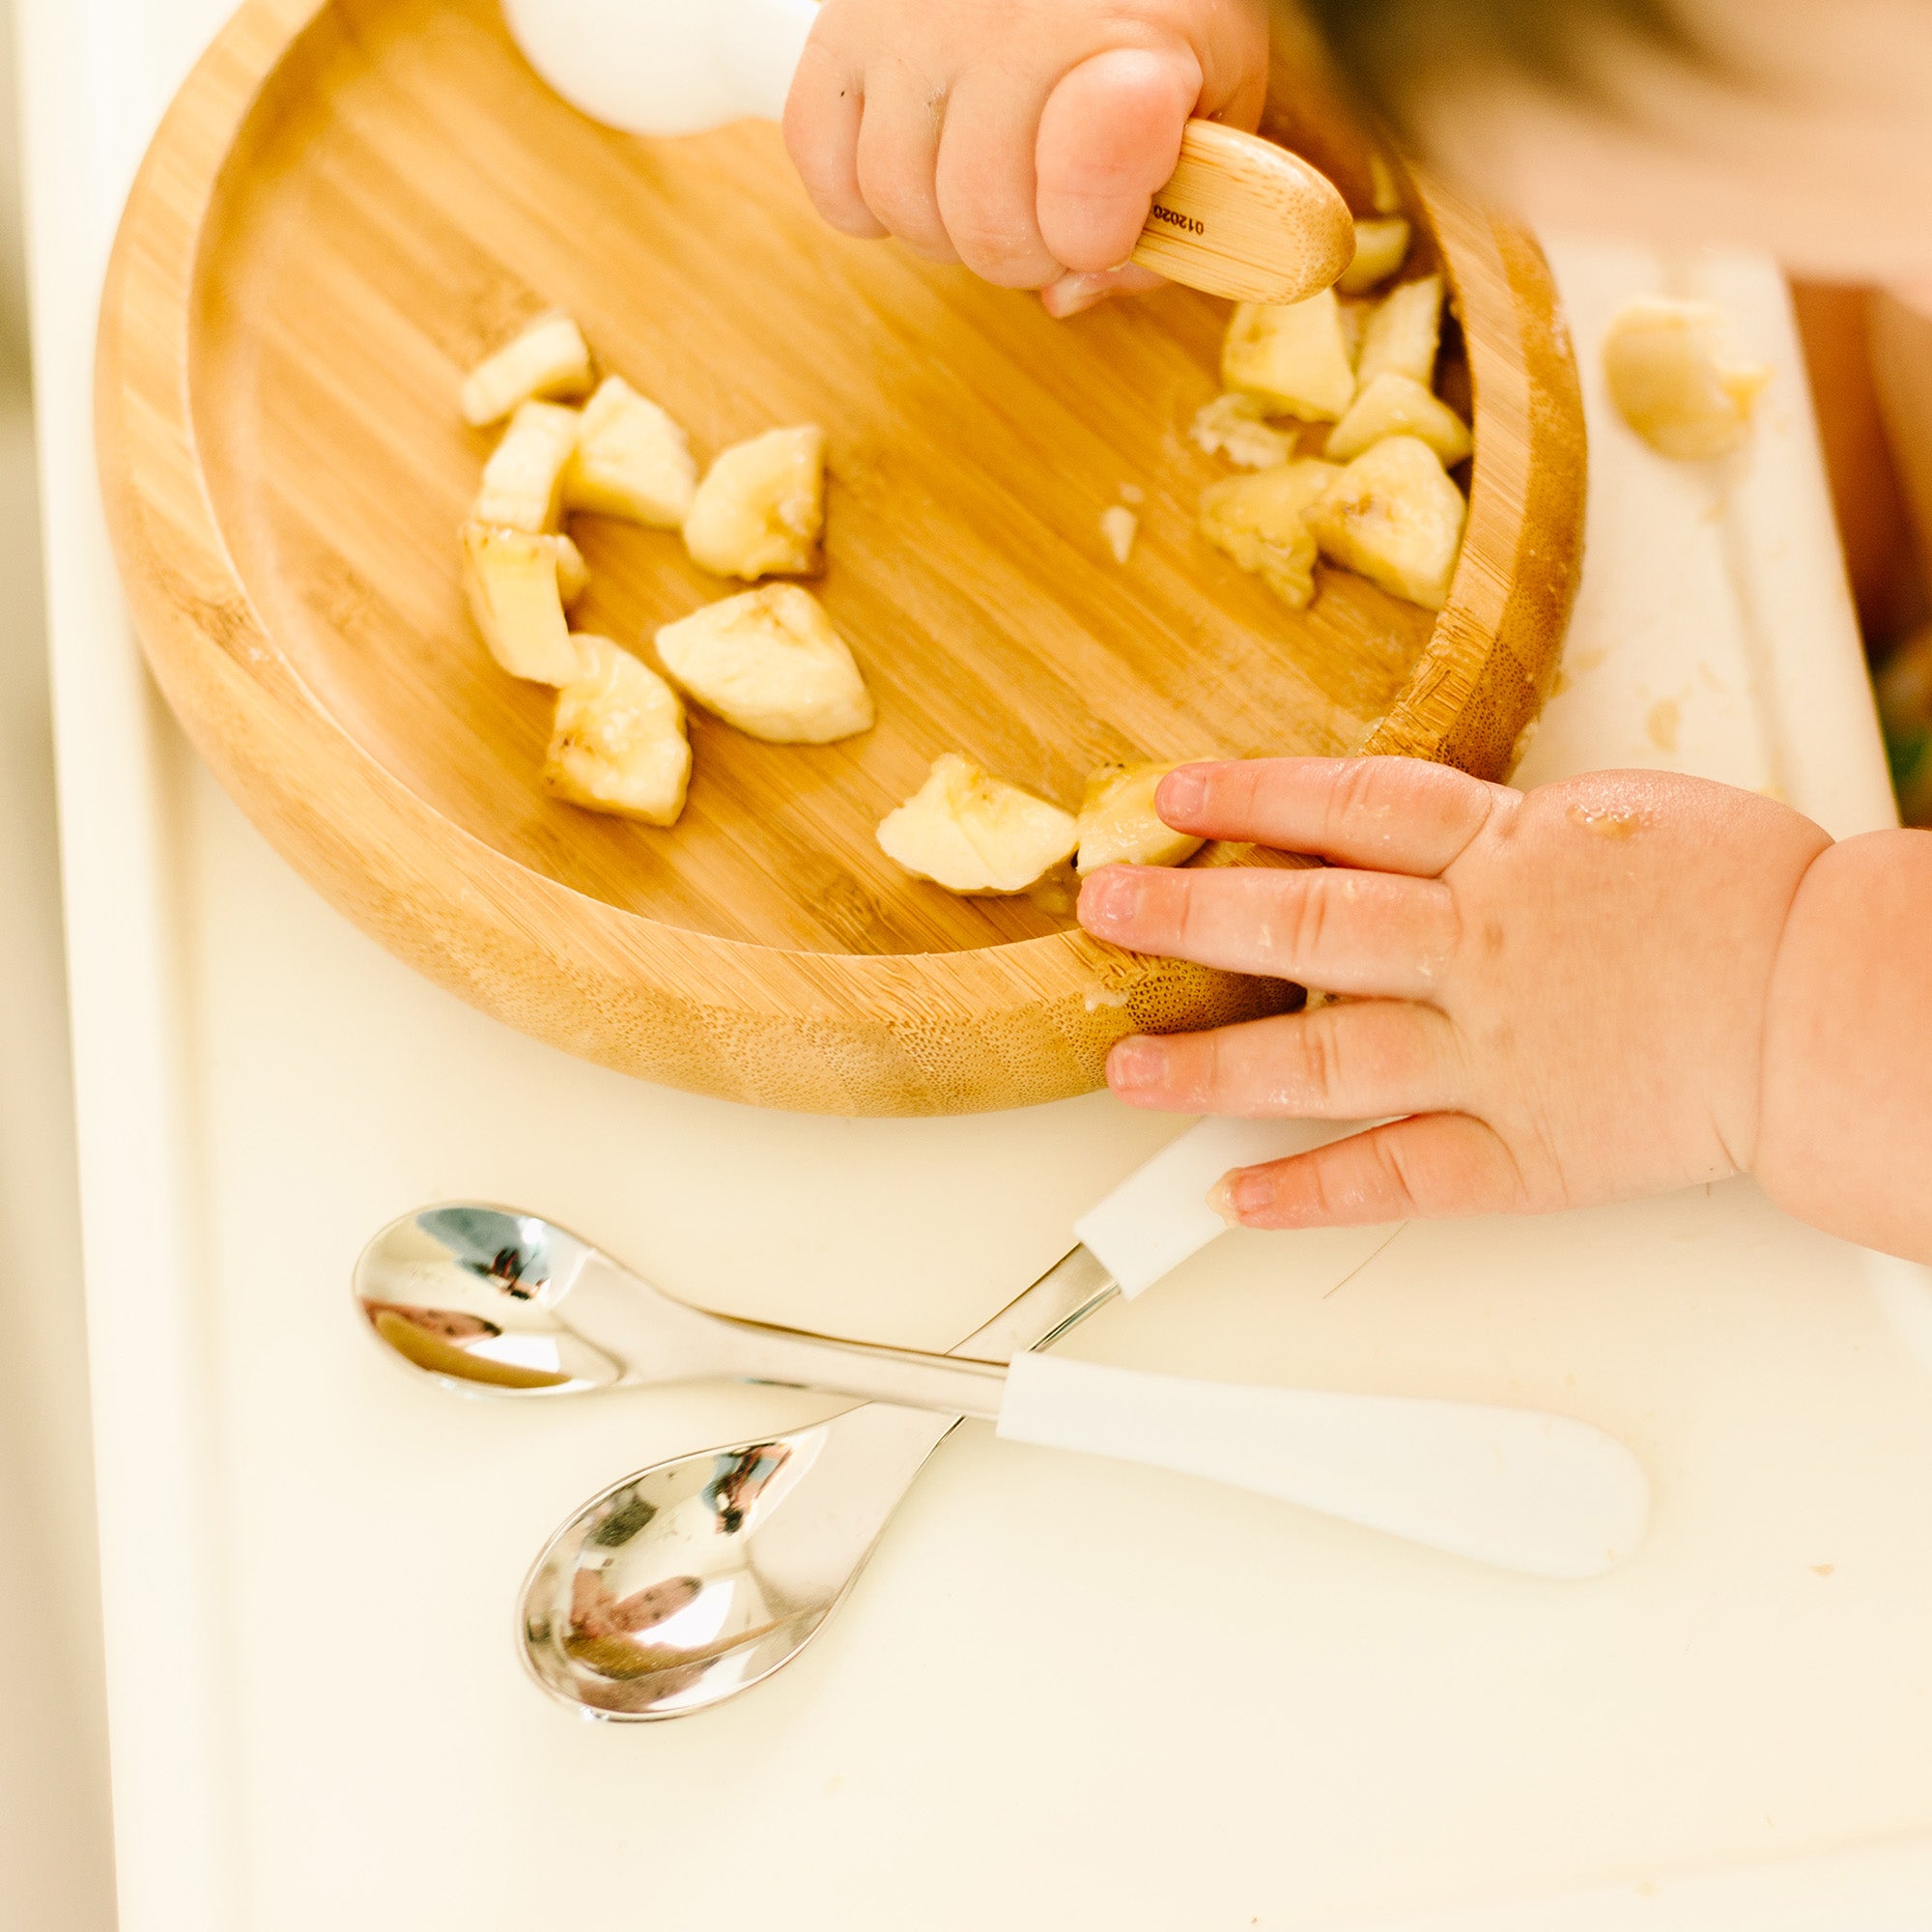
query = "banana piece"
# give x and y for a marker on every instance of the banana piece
(1291, 356)
(769, 663)
(573, 574)
(972, 832)
(1393, 405)
(1381, 248)
(1383, 190)
(1394, 516)
(1118, 825)
(548, 359)
(1354, 316)
(1403, 333)
(761, 508)
(522, 482)
(631, 460)
(618, 744)
(1670, 378)
(519, 586)
(1233, 425)
(1259, 521)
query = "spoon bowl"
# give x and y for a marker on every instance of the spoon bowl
(483, 1297)
(692, 1581)
(469, 1293)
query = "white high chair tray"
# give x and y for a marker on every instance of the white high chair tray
(1067, 1694)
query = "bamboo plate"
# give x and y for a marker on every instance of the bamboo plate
(351, 201)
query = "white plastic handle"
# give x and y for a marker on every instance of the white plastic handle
(1159, 1215)
(666, 67)
(1543, 1494)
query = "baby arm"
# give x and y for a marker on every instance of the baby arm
(1025, 138)
(1608, 988)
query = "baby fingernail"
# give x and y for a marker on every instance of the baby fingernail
(1254, 1191)
(1073, 294)
(1181, 794)
(1237, 1195)
(1137, 1062)
(1110, 897)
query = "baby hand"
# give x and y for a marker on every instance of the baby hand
(1025, 138)
(1563, 993)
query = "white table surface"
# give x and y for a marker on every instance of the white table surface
(1066, 1695)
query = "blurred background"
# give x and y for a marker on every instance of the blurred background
(56, 1863)
(1871, 374)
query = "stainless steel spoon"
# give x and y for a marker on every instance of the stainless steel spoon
(699, 1576)
(475, 1297)
(731, 1558)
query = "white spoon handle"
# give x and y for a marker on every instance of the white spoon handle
(1523, 1491)
(1159, 1215)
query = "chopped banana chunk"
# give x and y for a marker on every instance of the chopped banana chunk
(1670, 376)
(522, 482)
(972, 832)
(631, 460)
(762, 507)
(1258, 520)
(518, 585)
(1381, 248)
(1233, 425)
(770, 663)
(573, 574)
(1402, 333)
(1383, 188)
(618, 741)
(1119, 526)
(1354, 316)
(1291, 355)
(1394, 516)
(548, 359)
(1395, 405)
(1118, 825)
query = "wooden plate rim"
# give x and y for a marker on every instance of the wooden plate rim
(264, 731)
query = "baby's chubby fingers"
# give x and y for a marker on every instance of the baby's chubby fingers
(898, 161)
(1386, 814)
(1431, 1166)
(984, 183)
(822, 114)
(1343, 931)
(1109, 136)
(1340, 1062)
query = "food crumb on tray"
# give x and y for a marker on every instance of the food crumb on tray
(1673, 381)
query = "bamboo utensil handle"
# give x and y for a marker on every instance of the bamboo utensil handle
(1242, 217)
